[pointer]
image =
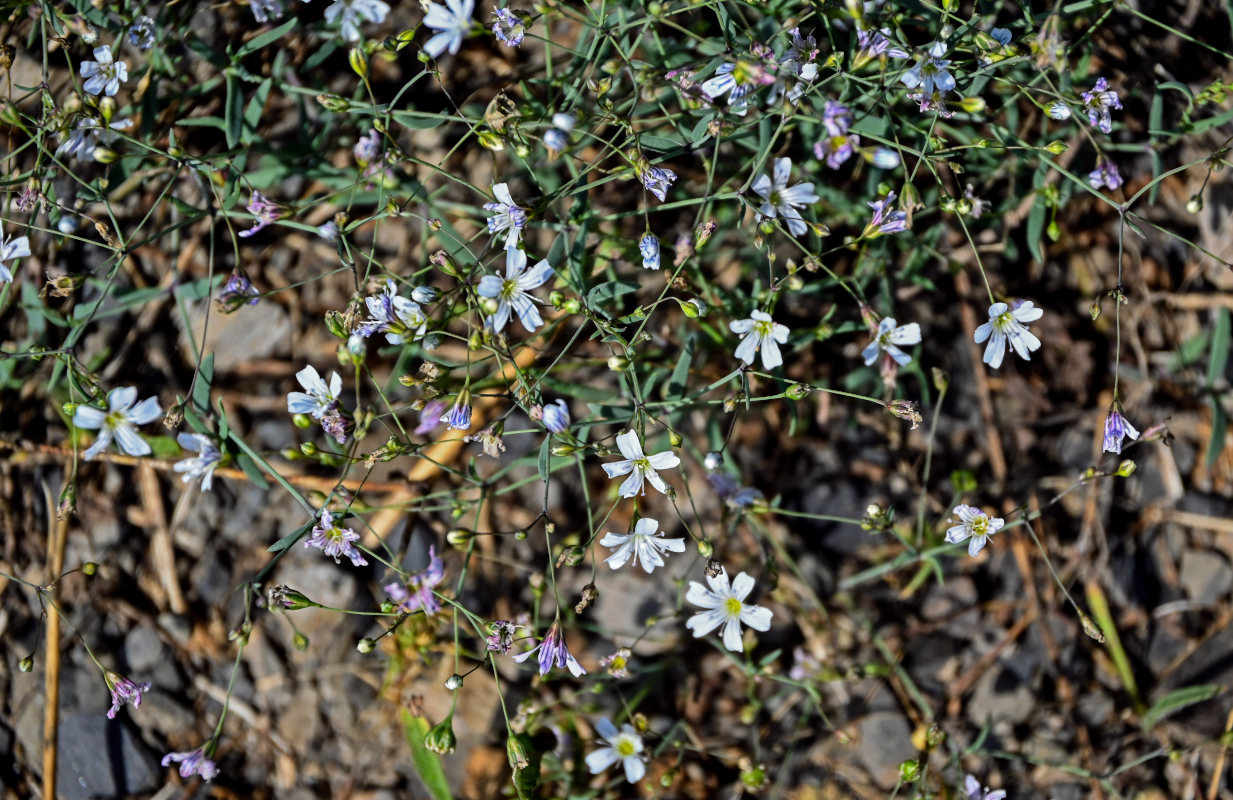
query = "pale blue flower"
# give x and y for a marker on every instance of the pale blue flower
(1007, 327)
(975, 525)
(648, 245)
(888, 338)
(1001, 35)
(88, 134)
(930, 72)
(1098, 102)
(725, 82)
(555, 416)
(1059, 110)
(317, 398)
(10, 249)
(123, 690)
(972, 790)
(657, 180)
(458, 417)
(192, 763)
(884, 222)
(400, 319)
(141, 34)
(104, 75)
(199, 467)
(416, 593)
(452, 22)
(646, 544)
(348, 14)
(624, 746)
(507, 215)
(513, 292)
(725, 605)
(120, 421)
(1105, 175)
(264, 209)
(885, 158)
(508, 27)
(782, 200)
(760, 332)
(873, 43)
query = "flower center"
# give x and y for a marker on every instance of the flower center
(642, 464)
(762, 328)
(113, 419)
(625, 748)
(509, 288)
(1005, 322)
(733, 607)
(980, 526)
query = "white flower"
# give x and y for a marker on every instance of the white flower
(648, 245)
(888, 338)
(512, 292)
(726, 80)
(1007, 326)
(353, 12)
(201, 466)
(12, 248)
(638, 466)
(624, 745)
(103, 76)
(783, 200)
(645, 544)
(507, 215)
(930, 72)
(760, 333)
(453, 20)
(726, 606)
(397, 317)
(976, 524)
(319, 398)
(1059, 110)
(120, 420)
(88, 134)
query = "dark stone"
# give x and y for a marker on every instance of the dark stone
(99, 757)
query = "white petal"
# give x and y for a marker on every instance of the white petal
(907, 334)
(742, 585)
(88, 417)
(762, 185)
(705, 622)
(515, 262)
(104, 439)
(647, 526)
(489, 286)
(617, 468)
(634, 769)
(599, 760)
(606, 729)
(335, 385)
(747, 350)
(632, 486)
(130, 442)
(536, 276)
(870, 353)
(629, 445)
(656, 481)
(757, 617)
(698, 595)
(310, 379)
(122, 398)
(612, 539)
(740, 326)
(976, 544)
(732, 636)
(771, 357)
(145, 412)
(665, 460)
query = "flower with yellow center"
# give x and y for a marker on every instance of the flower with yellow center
(975, 525)
(725, 605)
(624, 746)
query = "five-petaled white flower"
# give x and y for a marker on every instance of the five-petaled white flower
(639, 466)
(452, 21)
(1007, 326)
(888, 338)
(397, 317)
(783, 200)
(646, 545)
(88, 134)
(624, 746)
(725, 605)
(199, 466)
(105, 75)
(507, 215)
(512, 292)
(760, 332)
(353, 12)
(930, 72)
(973, 523)
(319, 398)
(729, 79)
(121, 419)
(12, 248)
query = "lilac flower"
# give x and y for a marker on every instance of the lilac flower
(974, 524)
(555, 416)
(417, 592)
(317, 398)
(838, 146)
(553, 652)
(624, 746)
(264, 209)
(782, 200)
(508, 27)
(335, 541)
(874, 43)
(1098, 102)
(430, 416)
(123, 691)
(501, 636)
(1006, 326)
(507, 216)
(141, 34)
(328, 231)
(656, 180)
(731, 492)
(121, 419)
(367, 148)
(193, 763)
(617, 663)
(725, 605)
(10, 249)
(400, 319)
(105, 75)
(237, 291)
(639, 466)
(1106, 175)
(882, 222)
(648, 245)
(799, 65)
(759, 332)
(452, 22)
(459, 416)
(972, 790)
(353, 12)
(888, 337)
(1117, 428)
(513, 292)
(266, 10)
(930, 72)
(733, 82)
(200, 466)
(88, 134)
(646, 544)
(335, 424)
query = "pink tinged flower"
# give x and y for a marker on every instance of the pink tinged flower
(617, 663)
(553, 653)
(513, 292)
(974, 525)
(1117, 428)
(200, 467)
(104, 75)
(264, 209)
(192, 763)
(1008, 327)
(1098, 102)
(640, 467)
(123, 691)
(417, 593)
(10, 249)
(884, 220)
(335, 541)
(646, 544)
(452, 22)
(725, 606)
(120, 421)
(623, 746)
(732, 82)
(500, 636)
(888, 337)
(838, 146)
(972, 790)
(507, 216)
(367, 148)
(555, 416)
(400, 319)
(317, 398)
(782, 200)
(1105, 175)
(760, 332)
(874, 43)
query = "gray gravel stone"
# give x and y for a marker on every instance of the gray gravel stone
(99, 757)
(1206, 575)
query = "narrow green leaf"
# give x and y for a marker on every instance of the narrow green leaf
(291, 538)
(269, 37)
(680, 373)
(1035, 227)
(234, 111)
(252, 112)
(246, 463)
(205, 376)
(1218, 358)
(526, 780)
(1177, 700)
(543, 462)
(607, 291)
(427, 763)
(1220, 428)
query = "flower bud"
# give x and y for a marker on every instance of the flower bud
(491, 140)
(1195, 204)
(705, 548)
(300, 641)
(366, 645)
(798, 391)
(26, 664)
(1056, 147)
(453, 682)
(460, 537)
(972, 105)
(674, 439)
(89, 569)
(333, 102)
(1126, 469)
(909, 771)
(440, 739)
(941, 379)
(516, 752)
(359, 63)
(563, 449)
(618, 364)
(572, 306)
(753, 777)
(309, 449)
(302, 421)
(287, 599)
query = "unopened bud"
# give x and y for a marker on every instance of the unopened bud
(571, 557)
(26, 664)
(1126, 469)
(909, 771)
(1093, 310)
(972, 105)
(359, 63)
(798, 391)
(89, 569)
(1056, 147)
(1195, 204)
(453, 682)
(1091, 628)
(618, 364)
(288, 599)
(460, 537)
(491, 140)
(366, 645)
(706, 549)
(300, 641)
(516, 752)
(309, 449)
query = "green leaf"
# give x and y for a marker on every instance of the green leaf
(252, 113)
(543, 462)
(1220, 427)
(234, 112)
(250, 468)
(205, 376)
(526, 780)
(427, 763)
(1218, 358)
(662, 144)
(261, 40)
(680, 373)
(202, 122)
(608, 291)
(1035, 227)
(1177, 700)
(291, 538)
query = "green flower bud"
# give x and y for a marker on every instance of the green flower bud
(26, 664)
(1126, 469)
(309, 449)
(516, 751)
(798, 391)
(460, 537)
(1056, 147)
(89, 569)
(302, 421)
(909, 771)
(453, 682)
(366, 645)
(440, 738)
(359, 63)
(300, 641)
